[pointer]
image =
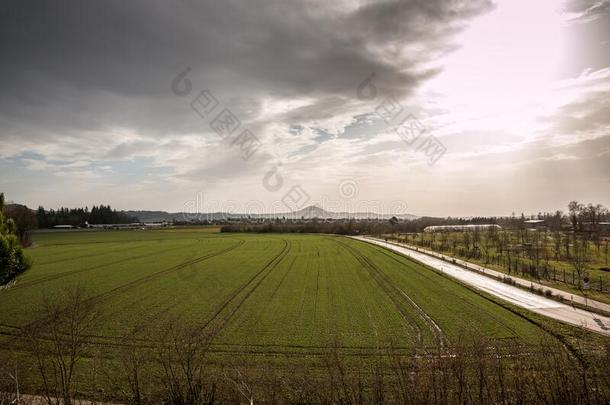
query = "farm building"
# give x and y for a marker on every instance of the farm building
(461, 228)
(63, 227)
(535, 224)
(134, 225)
(603, 227)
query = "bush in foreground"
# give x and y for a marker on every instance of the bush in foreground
(12, 259)
(172, 362)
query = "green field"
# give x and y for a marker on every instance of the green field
(288, 314)
(292, 294)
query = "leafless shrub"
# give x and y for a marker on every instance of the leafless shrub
(170, 363)
(9, 379)
(238, 382)
(179, 352)
(344, 387)
(472, 370)
(57, 339)
(128, 373)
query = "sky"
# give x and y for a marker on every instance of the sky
(435, 107)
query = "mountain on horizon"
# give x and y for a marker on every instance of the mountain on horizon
(309, 212)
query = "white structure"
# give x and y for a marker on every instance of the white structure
(134, 225)
(461, 228)
(535, 224)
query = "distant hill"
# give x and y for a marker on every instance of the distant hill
(314, 211)
(310, 212)
(11, 206)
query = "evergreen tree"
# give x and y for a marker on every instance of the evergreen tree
(102, 214)
(12, 259)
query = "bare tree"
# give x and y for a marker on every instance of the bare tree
(579, 259)
(242, 386)
(575, 209)
(467, 241)
(557, 244)
(129, 371)
(444, 241)
(566, 242)
(485, 247)
(57, 339)
(180, 350)
(9, 379)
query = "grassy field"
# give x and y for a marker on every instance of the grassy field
(272, 293)
(283, 302)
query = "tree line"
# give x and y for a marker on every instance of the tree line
(579, 218)
(102, 214)
(16, 222)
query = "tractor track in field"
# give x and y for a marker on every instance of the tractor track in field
(56, 276)
(153, 276)
(275, 290)
(477, 308)
(150, 316)
(303, 294)
(122, 341)
(391, 290)
(265, 271)
(72, 258)
(272, 263)
(570, 348)
(315, 301)
(267, 349)
(73, 249)
(384, 287)
(142, 280)
(112, 241)
(277, 287)
(224, 317)
(430, 320)
(103, 253)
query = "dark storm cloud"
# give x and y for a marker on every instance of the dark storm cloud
(424, 20)
(73, 66)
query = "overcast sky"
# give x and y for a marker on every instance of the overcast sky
(504, 106)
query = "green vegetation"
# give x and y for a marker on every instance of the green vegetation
(12, 260)
(103, 214)
(136, 304)
(569, 261)
(264, 292)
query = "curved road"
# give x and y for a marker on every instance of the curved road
(514, 295)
